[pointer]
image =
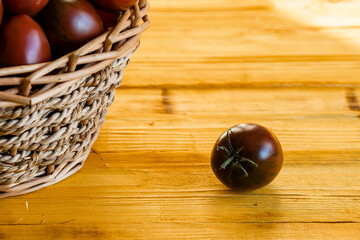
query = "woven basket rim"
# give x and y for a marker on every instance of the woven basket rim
(117, 42)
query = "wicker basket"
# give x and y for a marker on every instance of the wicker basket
(51, 113)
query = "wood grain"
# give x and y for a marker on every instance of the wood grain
(301, 118)
(177, 231)
(202, 68)
(244, 43)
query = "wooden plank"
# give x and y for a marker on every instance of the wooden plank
(135, 192)
(199, 5)
(203, 67)
(191, 120)
(151, 174)
(187, 230)
(128, 184)
(342, 136)
(253, 43)
(259, 32)
(154, 162)
(241, 73)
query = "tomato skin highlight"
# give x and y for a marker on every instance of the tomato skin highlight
(70, 24)
(22, 41)
(28, 7)
(259, 161)
(113, 5)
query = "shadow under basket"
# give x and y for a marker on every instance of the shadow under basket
(51, 113)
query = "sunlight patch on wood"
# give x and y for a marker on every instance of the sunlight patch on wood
(322, 13)
(338, 19)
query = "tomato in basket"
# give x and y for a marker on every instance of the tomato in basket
(22, 41)
(69, 24)
(113, 5)
(28, 7)
(247, 157)
(109, 19)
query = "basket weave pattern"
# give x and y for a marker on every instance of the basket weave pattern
(47, 134)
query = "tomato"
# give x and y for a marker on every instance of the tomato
(1, 11)
(28, 7)
(22, 41)
(69, 24)
(247, 157)
(109, 19)
(113, 5)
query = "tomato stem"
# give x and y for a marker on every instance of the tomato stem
(234, 156)
(227, 162)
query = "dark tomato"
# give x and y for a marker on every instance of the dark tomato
(113, 5)
(1, 11)
(69, 24)
(22, 41)
(109, 19)
(28, 7)
(247, 157)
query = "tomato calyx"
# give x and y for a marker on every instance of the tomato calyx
(234, 156)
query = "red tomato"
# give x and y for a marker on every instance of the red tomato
(1, 11)
(28, 7)
(22, 41)
(247, 157)
(109, 19)
(69, 24)
(113, 5)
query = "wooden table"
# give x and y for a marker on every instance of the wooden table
(204, 66)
